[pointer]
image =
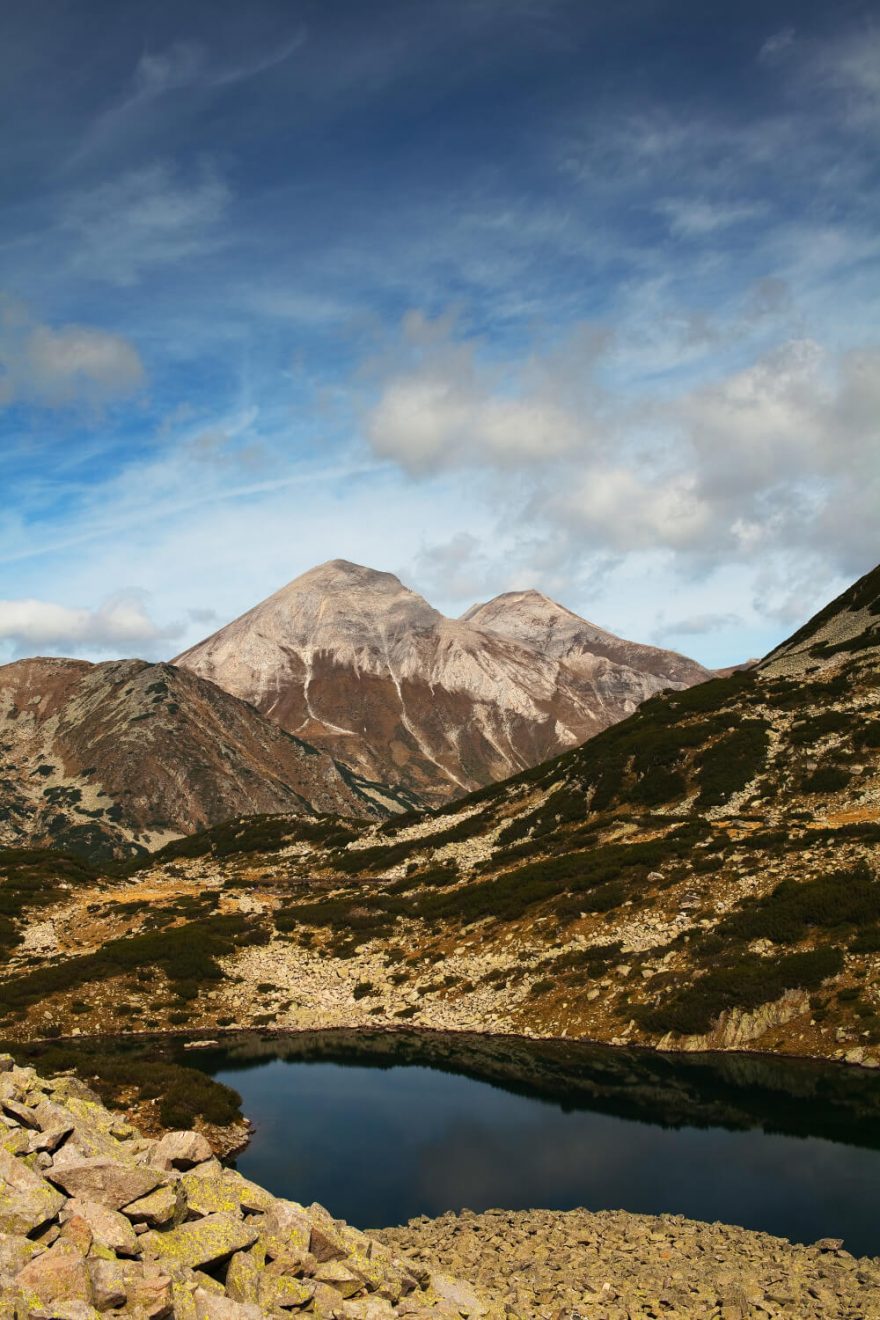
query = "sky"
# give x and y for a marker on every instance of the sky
(491, 294)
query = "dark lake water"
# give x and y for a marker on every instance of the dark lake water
(381, 1127)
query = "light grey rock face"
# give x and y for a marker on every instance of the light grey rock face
(146, 1240)
(357, 664)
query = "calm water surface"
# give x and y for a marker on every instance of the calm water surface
(382, 1128)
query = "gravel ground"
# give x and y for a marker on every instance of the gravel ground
(617, 1266)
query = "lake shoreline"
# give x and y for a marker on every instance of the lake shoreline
(202, 1038)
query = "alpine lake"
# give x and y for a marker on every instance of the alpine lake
(384, 1126)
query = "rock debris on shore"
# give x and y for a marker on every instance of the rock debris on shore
(98, 1221)
(612, 1265)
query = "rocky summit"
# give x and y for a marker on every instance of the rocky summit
(115, 757)
(97, 1220)
(359, 665)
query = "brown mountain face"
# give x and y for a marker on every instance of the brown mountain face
(104, 757)
(352, 660)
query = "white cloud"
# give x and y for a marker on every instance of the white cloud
(850, 67)
(777, 457)
(448, 408)
(120, 623)
(695, 217)
(182, 67)
(696, 625)
(146, 217)
(63, 365)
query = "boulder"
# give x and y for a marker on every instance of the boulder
(286, 1231)
(461, 1295)
(243, 1274)
(166, 1205)
(104, 1180)
(15, 1251)
(50, 1138)
(180, 1150)
(109, 1228)
(148, 1291)
(227, 1192)
(276, 1291)
(108, 1283)
(325, 1241)
(208, 1306)
(59, 1274)
(23, 1113)
(74, 1310)
(200, 1242)
(27, 1201)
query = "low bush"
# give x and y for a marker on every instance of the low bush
(793, 908)
(184, 1094)
(746, 984)
(186, 954)
(828, 779)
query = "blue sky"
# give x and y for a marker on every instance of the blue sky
(489, 293)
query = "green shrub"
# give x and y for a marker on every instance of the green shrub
(728, 765)
(828, 779)
(186, 954)
(785, 915)
(746, 984)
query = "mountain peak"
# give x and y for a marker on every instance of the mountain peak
(343, 574)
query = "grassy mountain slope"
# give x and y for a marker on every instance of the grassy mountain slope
(702, 875)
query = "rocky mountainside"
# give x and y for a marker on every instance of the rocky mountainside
(532, 619)
(701, 875)
(351, 660)
(111, 756)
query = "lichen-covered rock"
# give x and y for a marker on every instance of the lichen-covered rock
(105, 1180)
(59, 1274)
(109, 1228)
(27, 1201)
(200, 1242)
(108, 1283)
(121, 1226)
(228, 1192)
(166, 1205)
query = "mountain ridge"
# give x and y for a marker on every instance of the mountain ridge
(125, 754)
(353, 660)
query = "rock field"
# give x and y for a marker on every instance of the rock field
(98, 1220)
(617, 1266)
